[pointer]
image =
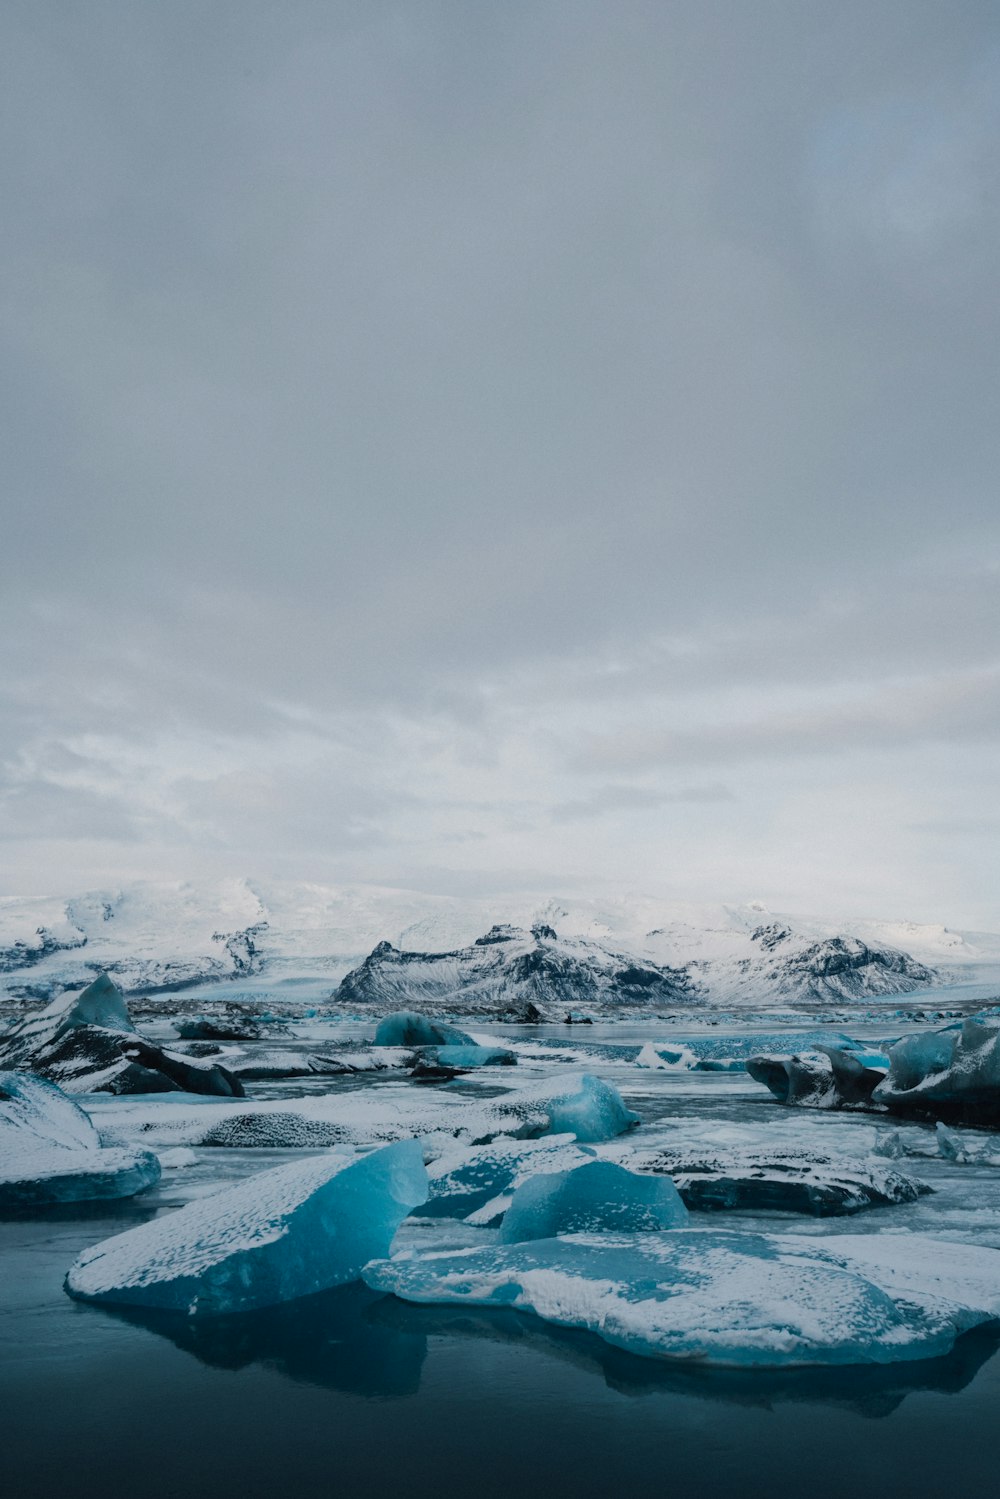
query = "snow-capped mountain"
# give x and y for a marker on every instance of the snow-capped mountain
(517, 974)
(577, 952)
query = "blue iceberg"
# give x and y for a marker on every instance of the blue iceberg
(475, 1180)
(407, 1028)
(274, 1237)
(734, 1299)
(581, 1105)
(475, 1056)
(50, 1152)
(591, 1198)
(951, 1074)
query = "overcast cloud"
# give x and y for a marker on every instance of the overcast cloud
(489, 445)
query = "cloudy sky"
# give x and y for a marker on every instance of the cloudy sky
(480, 446)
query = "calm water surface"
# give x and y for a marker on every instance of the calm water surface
(351, 1393)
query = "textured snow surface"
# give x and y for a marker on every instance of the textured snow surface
(578, 1104)
(726, 1298)
(279, 1235)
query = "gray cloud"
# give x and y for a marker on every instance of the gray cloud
(423, 420)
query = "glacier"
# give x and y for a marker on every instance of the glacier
(50, 1151)
(278, 1236)
(726, 1298)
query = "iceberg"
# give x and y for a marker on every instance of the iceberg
(407, 1028)
(581, 1105)
(276, 1236)
(89, 1044)
(826, 1078)
(474, 1181)
(589, 1199)
(50, 1152)
(951, 1074)
(737, 1299)
(475, 1056)
(784, 1181)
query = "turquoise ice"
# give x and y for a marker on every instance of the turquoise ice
(726, 1298)
(476, 1056)
(407, 1028)
(470, 1180)
(279, 1235)
(582, 1105)
(590, 1198)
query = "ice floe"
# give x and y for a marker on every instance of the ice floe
(726, 1298)
(591, 1198)
(50, 1151)
(279, 1235)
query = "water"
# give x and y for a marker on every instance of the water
(356, 1394)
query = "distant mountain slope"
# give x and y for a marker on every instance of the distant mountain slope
(510, 971)
(158, 937)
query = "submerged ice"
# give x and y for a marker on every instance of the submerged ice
(279, 1235)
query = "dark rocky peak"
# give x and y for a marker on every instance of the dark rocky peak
(770, 937)
(542, 932)
(502, 933)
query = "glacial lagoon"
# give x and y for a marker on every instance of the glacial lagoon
(354, 1392)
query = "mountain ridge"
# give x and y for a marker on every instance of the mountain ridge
(160, 937)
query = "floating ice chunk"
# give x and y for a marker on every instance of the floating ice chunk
(726, 1298)
(89, 1044)
(407, 1028)
(591, 1198)
(475, 1056)
(777, 1180)
(950, 1146)
(951, 1074)
(275, 1237)
(731, 1053)
(465, 1181)
(581, 1105)
(666, 1058)
(177, 1159)
(820, 1079)
(50, 1151)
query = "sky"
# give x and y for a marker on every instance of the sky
(484, 446)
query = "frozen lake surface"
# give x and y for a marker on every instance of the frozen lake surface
(355, 1393)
